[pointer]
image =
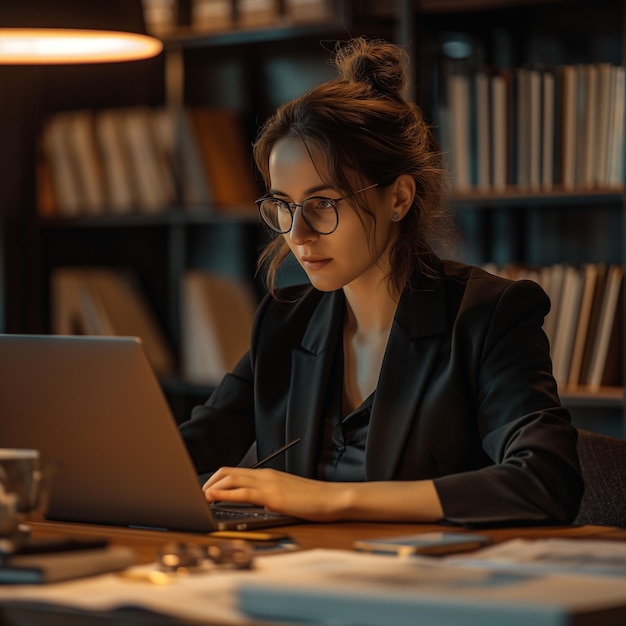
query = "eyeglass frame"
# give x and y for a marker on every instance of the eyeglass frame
(182, 557)
(292, 206)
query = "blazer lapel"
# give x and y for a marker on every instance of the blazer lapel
(311, 365)
(407, 366)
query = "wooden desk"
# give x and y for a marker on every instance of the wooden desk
(146, 543)
(337, 536)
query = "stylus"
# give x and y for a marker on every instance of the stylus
(275, 453)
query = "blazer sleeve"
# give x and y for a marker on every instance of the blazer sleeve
(535, 476)
(221, 431)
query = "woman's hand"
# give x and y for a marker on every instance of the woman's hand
(276, 491)
(319, 501)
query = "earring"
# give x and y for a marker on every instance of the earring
(395, 216)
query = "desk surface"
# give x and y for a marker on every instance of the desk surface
(334, 536)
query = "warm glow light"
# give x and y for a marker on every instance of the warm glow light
(55, 45)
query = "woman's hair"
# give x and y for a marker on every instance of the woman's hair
(360, 130)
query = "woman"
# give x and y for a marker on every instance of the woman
(420, 389)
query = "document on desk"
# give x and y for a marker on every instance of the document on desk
(327, 586)
(588, 557)
(345, 587)
(197, 598)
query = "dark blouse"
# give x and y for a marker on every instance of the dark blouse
(342, 458)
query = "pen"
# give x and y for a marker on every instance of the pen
(275, 453)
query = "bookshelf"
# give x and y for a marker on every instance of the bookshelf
(509, 211)
(251, 68)
(159, 249)
(246, 69)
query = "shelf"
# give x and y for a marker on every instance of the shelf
(516, 198)
(454, 6)
(171, 217)
(193, 38)
(606, 397)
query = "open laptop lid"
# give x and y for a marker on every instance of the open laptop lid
(94, 406)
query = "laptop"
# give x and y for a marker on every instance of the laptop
(94, 407)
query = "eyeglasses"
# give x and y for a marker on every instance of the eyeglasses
(180, 557)
(319, 213)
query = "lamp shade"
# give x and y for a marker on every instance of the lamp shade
(73, 31)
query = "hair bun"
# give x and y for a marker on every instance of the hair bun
(378, 63)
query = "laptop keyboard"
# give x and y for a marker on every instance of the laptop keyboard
(223, 514)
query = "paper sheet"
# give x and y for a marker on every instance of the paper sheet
(588, 557)
(214, 595)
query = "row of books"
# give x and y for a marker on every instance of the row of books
(144, 160)
(216, 15)
(225, 14)
(216, 317)
(585, 325)
(537, 129)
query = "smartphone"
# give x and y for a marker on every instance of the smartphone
(433, 543)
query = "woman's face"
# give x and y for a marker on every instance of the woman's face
(346, 257)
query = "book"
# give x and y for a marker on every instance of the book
(212, 15)
(615, 176)
(547, 130)
(523, 130)
(590, 273)
(483, 135)
(307, 10)
(589, 136)
(552, 283)
(102, 301)
(146, 168)
(74, 310)
(534, 129)
(593, 324)
(120, 188)
(580, 114)
(458, 94)
(227, 159)
(166, 153)
(569, 126)
(255, 13)
(499, 133)
(557, 168)
(605, 368)
(603, 124)
(57, 152)
(32, 569)
(179, 145)
(86, 160)
(217, 314)
(567, 318)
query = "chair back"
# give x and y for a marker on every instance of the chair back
(603, 465)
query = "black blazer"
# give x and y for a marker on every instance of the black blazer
(465, 397)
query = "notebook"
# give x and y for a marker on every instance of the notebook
(94, 407)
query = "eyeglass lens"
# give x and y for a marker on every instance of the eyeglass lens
(319, 213)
